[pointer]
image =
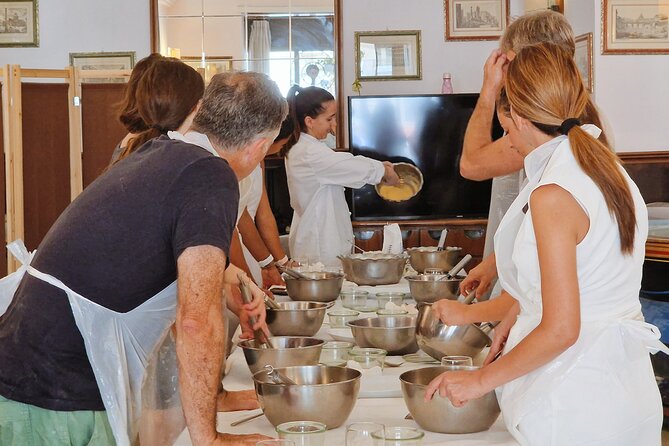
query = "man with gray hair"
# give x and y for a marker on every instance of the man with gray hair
(85, 340)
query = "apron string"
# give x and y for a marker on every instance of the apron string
(20, 252)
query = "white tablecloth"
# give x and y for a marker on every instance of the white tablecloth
(388, 411)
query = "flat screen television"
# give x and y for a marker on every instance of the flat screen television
(426, 131)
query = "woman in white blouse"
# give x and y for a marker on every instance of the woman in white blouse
(321, 228)
(570, 250)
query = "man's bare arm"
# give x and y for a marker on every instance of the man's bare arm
(200, 333)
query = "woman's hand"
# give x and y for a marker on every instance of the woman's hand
(480, 277)
(457, 386)
(493, 74)
(502, 334)
(271, 276)
(390, 177)
(451, 312)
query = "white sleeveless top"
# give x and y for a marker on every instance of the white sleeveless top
(547, 405)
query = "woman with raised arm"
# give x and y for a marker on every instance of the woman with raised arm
(570, 250)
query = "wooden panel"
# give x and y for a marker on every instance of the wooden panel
(3, 206)
(101, 128)
(46, 165)
(368, 239)
(650, 171)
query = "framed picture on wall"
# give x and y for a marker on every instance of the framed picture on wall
(211, 65)
(387, 55)
(635, 26)
(583, 58)
(19, 23)
(475, 19)
(120, 60)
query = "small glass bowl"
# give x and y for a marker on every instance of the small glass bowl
(391, 312)
(335, 353)
(398, 436)
(383, 298)
(303, 433)
(338, 318)
(368, 357)
(354, 299)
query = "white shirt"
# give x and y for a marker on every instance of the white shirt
(321, 228)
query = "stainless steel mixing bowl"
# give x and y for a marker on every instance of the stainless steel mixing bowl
(438, 414)
(287, 351)
(411, 182)
(374, 268)
(429, 288)
(296, 318)
(395, 334)
(321, 393)
(321, 286)
(439, 340)
(428, 257)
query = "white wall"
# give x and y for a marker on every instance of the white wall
(632, 91)
(67, 26)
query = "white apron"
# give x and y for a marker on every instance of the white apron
(132, 356)
(250, 199)
(601, 391)
(321, 228)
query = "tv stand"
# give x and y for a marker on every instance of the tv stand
(467, 233)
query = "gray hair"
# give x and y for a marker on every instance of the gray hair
(239, 107)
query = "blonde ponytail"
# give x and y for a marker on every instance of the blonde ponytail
(544, 86)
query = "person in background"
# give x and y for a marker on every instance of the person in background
(128, 114)
(483, 158)
(570, 250)
(146, 246)
(321, 228)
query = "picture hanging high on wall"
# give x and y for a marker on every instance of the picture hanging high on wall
(635, 27)
(583, 58)
(475, 19)
(19, 24)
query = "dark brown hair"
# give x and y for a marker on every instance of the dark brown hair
(545, 87)
(166, 94)
(128, 114)
(303, 102)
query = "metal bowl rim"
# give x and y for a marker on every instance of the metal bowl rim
(335, 276)
(357, 376)
(414, 278)
(317, 344)
(350, 323)
(441, 367)
(325, 306)
(430, 251)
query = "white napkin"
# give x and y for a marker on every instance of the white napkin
(392, 239)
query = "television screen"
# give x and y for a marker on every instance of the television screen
(426, 131)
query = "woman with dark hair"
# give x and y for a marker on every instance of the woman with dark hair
(166, 99)
(128, 114)
(321, 228)
(575, 367)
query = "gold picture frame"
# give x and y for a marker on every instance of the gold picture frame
(211, 65)
(635, 27)
(19, 23)
(475, 19)
(388, 55)
(584, 60)
(113, 60)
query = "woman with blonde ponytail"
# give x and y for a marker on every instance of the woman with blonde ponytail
(575, 368)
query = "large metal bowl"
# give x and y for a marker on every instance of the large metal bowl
(374, 268)
(296, 318)
(429, 288)
(438, 414)
(428, 257)
(439, 340)
(395, 334)
(320, 287)
(287, 351)
(320, 393)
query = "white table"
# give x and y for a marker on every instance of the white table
(389, 411)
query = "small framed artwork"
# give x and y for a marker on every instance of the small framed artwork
(475, 19)
(583, 58)
(387, 55)
(19, 23)
(121, 60)
(211, 65)
(635, 26)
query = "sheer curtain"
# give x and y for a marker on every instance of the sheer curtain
(260, 42)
